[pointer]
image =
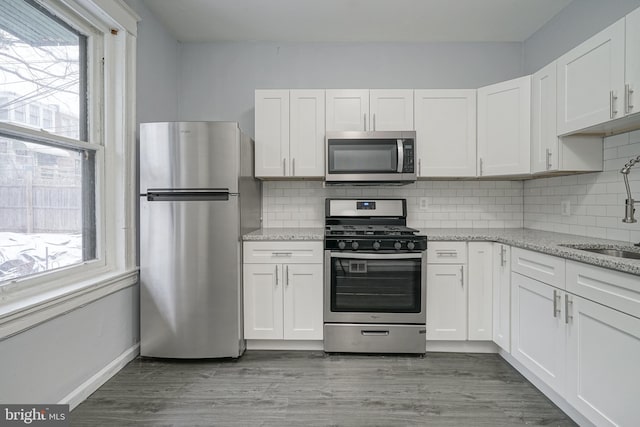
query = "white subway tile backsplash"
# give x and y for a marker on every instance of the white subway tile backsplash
(597, 199)
(467, 204)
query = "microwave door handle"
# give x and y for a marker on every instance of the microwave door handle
(400, 155)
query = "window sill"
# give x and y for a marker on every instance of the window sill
(20, 314)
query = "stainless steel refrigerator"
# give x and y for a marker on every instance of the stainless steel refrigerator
(198, 196)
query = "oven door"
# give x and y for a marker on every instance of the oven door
(375, 287)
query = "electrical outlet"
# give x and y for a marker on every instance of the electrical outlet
(565, 208)
(423, 203)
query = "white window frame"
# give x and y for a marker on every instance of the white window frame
(28, 301)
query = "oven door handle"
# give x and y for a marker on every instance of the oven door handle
(412, 255)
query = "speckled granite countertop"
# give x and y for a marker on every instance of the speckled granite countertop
(539, 241)
(545, 242)
(285, 234)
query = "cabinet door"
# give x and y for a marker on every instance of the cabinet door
(391, 109)
(446, 118)
(446, 302)
(603, 373)
(632, 63)
(544, 135)
(504, 128)
(347, 109)
(307, 133)
(502, 296)
(589, 77)
(263, 301)
(272, 133)
(303, 319)
(538, 330)
(480, 291)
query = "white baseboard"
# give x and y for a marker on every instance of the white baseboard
(553, 396)
(462, 346)
(284, 345)
(85, 389)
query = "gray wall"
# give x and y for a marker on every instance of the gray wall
(218, 80)
(45, 363)
(157, 69)
(580, 20)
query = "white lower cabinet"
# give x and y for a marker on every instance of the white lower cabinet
(586, 351)
(538, 330)
(303, 302)
(480, 291)
(502, 296)
(263, 303)
(283, 291)
(446, 302)
(603, 369)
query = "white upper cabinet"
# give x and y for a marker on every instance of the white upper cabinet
(289, 133)
(365, 110)
(306, 148)
(591, 81)
(272, 133)
(391, 109)
(445, 124)
(347, 109)
(632, 63)
(549, 153)
(504, 128)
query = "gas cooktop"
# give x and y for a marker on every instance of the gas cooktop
(376, 225)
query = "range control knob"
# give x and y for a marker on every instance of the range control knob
(341, 245)
(354, 245)
(376, 245)
(397, 245)
(411, 246)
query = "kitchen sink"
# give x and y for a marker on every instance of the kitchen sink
(609, 251)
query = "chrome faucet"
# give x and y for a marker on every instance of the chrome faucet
(629, 210)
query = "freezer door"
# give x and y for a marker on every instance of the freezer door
(190, 289)
(189, 155)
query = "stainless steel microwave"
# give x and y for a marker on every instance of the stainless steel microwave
(378, 157)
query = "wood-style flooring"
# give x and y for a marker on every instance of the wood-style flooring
(287, 388)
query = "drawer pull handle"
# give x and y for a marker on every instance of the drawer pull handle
(374, 333)
(447, 254)
(282, 254)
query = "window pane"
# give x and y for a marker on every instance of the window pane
(47, 207)
(41, 66)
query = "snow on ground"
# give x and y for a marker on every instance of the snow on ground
(22, 254)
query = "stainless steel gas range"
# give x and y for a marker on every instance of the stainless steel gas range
(375, 278)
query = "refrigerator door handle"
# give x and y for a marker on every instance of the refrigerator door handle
(187, 194)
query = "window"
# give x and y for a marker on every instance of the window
(47, 119)
(86, 169)
(4, 109)
(47, 212)
(34, 115)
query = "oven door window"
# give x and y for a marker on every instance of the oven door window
(375, 285)
(363, 156)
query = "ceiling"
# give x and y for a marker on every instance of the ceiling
(354, 20)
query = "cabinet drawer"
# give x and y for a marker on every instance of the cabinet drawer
(614, 289)
(548, 269)
(282, 252)
(447, 253)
